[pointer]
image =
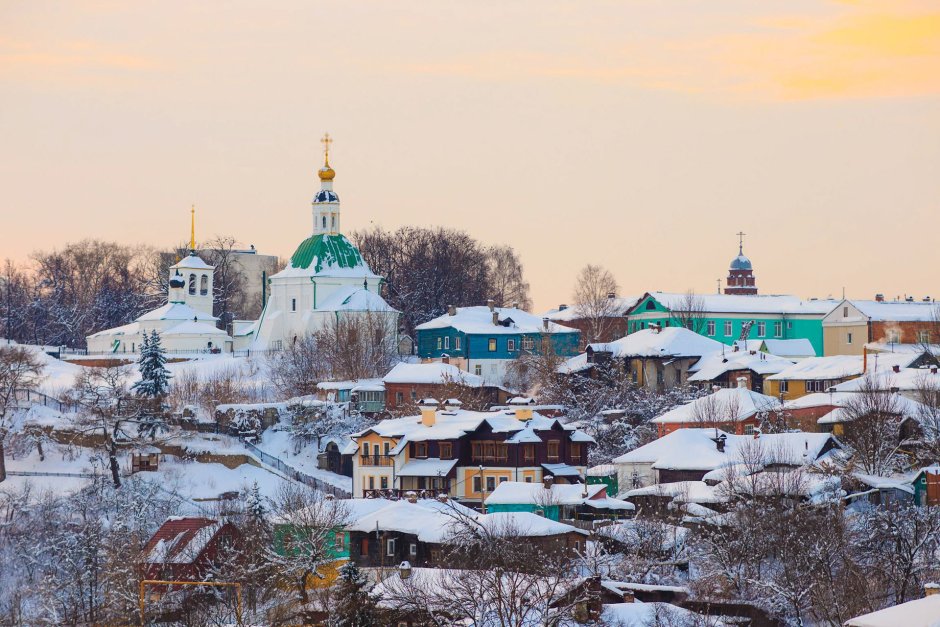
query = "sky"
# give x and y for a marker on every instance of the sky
(638, 135)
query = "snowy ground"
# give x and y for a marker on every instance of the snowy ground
(278, 444)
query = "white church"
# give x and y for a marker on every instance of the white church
(325, 280)
(185, 323)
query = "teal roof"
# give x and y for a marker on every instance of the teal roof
(326, 251)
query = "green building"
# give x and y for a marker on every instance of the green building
(728, 318)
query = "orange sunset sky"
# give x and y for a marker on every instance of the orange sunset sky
(635, 134)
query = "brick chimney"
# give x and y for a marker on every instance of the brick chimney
(445, 358)
(879, 298)
(547, 481)
(545, 323)
(404, 570)
(495, 318)
(628, 596)
(428, 407)
(411, 496)
(896, 368)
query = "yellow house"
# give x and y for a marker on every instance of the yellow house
(816, 374)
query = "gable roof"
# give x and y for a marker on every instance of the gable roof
(819, 368)
(619, 307)
(723, 405)
(478, 320)
(669, 342)
(734, 303)
(181, 540)
(713, 366)
(432, 373)
(895, 311)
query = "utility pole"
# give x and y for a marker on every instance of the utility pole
(482, 492)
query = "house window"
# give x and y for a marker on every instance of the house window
(421, 449)
(710, 328)
(365, 449)
(503, 479)
(528, 453)
(456, 343)
(478, 370)
(384, 481)
(390, 547)
(204, 285)
(388, 447)
(575, 453)
(848, 338)
(511, 345)
(749, 429)
(446, 450)
(727, 328)
(413, 549)
(761, 329)
(293, 304)
(894, 336)
(528, 479)
(476, 484)
(492, 345)
(784, 387)
(650, 305)
(490, 484)
(923, 337)
(447, 343)
(399, 398)
(778, 328)
(440, 343)
(371, 483)
(553, 448)
(845, 312)
(339, 541)
(414, 395)
(528, 343)
(192, 284)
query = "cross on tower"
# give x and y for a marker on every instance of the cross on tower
(741, 235)
(326, 141)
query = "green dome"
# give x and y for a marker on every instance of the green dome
(327, 251)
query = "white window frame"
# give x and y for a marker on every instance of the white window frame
(478, 370)
(511, 345)
(761, 329)
(729, 328)
(447, 343)
(413, 549)
(457, 343)
(710, 328)
(848, 337)
(778, 328)
(440, 343)
(390, 547)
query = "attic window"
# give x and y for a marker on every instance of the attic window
(650, 305)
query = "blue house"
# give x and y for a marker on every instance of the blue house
(484, 340)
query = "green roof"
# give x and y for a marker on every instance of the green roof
(326, 251)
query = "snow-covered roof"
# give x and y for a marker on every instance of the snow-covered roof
(817, 368)
(574, 364)
(191, 261)
(696, 449)
(354, 298)
(918, 613)
(683, 491)
(479, 321)
(432, 373)
(796, 348)
(713, 366)
(436, 522)
(176, 311)
(357, 385)
(431, 467)
(329, 255)
(885, 483)
(519, 492)
(724, 405)
(733, 303)
(180, 540)
(669, 342)
(450, 425)
(619, 307)
(193, 328)
(896, 311)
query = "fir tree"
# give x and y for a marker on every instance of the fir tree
(354, 607)
(154, 377)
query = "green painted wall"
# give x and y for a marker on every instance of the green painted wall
(551, 511)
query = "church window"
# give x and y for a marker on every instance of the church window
(333, 222)
(324, 222)
(204, 285)
(293, 304)
(192, 283)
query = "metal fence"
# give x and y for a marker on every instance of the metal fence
(295, 474)
(32, 397)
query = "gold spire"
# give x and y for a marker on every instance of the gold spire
(192, 229)
(326, 173)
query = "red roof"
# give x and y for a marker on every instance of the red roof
(181, 540)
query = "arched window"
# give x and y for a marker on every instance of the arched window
(650, 305)
(324, 222)
(204, 285)
(192, 283)
(333, 222)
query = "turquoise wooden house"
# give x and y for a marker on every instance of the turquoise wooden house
(484, 340)
(728, 318)
(927, 486)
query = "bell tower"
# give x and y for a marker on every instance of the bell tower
(191, 277)
(741, 279)
(326, 202)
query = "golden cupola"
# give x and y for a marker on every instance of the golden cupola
(326, 173)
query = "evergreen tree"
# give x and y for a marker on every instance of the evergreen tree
(354, 607)
(154, 376)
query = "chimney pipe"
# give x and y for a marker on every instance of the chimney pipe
(411, 496)
(495, 318)
(933, 370)
(879, 298)
(742, 382)
(451, 310)
(547, 481)
(445, 358)
(611, 295)
(545, 323)
(720, 442)
(404, 570)
(491, 304)
(515, 305)
(628, 596)
(428, 407)
(896, 368)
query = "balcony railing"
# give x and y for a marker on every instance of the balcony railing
(376, 460)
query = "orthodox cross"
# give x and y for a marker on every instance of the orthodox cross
(741, 235)
(326, 141)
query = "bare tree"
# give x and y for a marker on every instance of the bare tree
(593, 300)
(20, 370)
(508, 286)
(690, 312)
(872, 427)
